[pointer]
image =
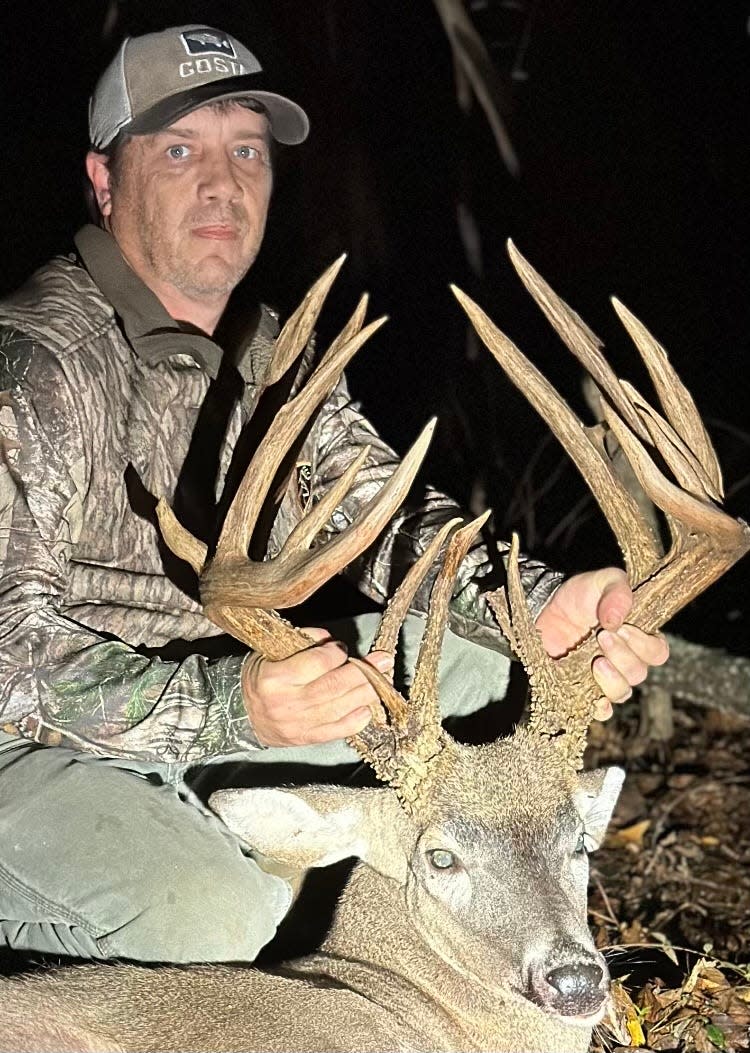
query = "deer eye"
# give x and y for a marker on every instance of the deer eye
(441, 858)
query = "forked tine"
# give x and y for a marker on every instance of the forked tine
(679, 457)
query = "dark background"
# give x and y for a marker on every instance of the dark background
(630, 121)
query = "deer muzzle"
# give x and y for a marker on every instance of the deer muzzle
(572, 983)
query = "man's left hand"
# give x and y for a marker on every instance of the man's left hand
(602, 597)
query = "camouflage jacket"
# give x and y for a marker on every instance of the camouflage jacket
(105, 402)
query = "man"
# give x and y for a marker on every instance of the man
(121, 382)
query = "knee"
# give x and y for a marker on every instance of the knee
(202, 917)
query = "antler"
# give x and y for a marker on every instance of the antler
(705, 541)
(402, 751)
(239, 595)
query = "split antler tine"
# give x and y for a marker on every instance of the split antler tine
(289, 422)
(679, 457)
(300, 325)
(635, 537)
(354, 324)
(424, 703)
(677, 401)
(576, 336)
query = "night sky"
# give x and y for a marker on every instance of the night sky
(630, 121)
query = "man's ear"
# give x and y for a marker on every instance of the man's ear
(97, 169)
(314, 826)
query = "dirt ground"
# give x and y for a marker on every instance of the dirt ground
(670, 889)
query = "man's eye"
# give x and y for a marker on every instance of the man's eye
(247, 153)
(178, 152)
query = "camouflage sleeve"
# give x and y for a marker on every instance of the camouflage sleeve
(59, 681)
(339, 434)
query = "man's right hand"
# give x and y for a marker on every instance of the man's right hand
(314, 696)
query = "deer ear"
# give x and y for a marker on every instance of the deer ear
(596, 798)
(314, 826)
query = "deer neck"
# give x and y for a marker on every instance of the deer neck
(374, 947)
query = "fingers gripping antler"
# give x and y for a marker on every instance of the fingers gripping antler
(239, 595)
(705, 541)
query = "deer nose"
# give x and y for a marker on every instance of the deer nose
(576, 982)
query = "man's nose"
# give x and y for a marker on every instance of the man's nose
(218, 179)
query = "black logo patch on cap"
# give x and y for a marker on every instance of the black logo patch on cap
(206, 42)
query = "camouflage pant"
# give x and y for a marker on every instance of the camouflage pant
(105, 858)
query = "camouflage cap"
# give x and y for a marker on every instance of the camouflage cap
(155, 79)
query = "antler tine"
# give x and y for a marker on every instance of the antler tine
(635, 537)
(398, 605)
(240, 596)
(424, 704)
(680, 459)
(563, 691)
(401, 753)
(295, 573)
(378, 743)
(300, 325)
(675, 398)
(288, 423)
(576, 336)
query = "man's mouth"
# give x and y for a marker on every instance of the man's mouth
(216, 232)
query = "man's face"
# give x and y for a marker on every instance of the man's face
(188, 205)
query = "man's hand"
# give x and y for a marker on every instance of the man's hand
(602, 597)
(314, 696)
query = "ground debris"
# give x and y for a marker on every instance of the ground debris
(710, 1011)
(670, 895)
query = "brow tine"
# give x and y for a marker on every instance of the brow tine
(424, 697)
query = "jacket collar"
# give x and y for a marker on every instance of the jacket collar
(152, 332)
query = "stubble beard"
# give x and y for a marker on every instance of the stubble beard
(194, 277)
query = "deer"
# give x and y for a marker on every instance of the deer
(463, 923)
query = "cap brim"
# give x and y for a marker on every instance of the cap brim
(288, 122)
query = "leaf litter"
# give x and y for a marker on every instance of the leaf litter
(670, 888)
